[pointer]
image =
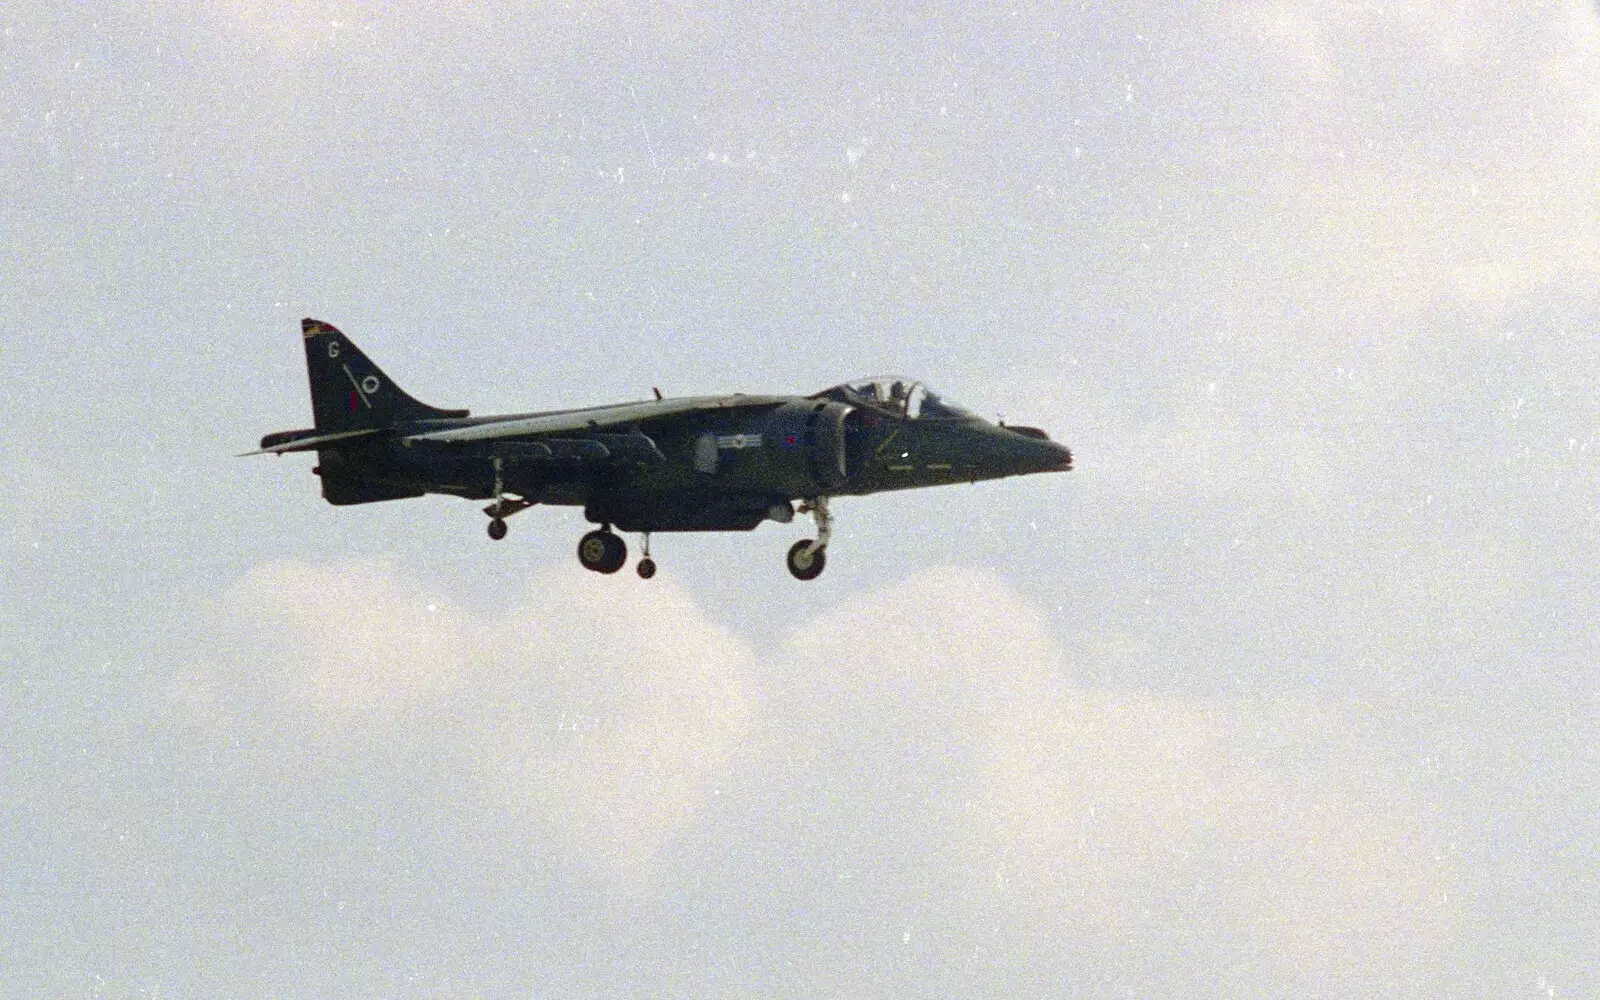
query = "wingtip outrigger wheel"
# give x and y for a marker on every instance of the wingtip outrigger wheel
(502, 507)
(497, 510)
(647, 566)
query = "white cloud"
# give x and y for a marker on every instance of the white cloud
(603, 714)
(1265, 841)
(612, 710)
(358, 640)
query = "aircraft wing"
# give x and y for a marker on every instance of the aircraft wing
(591, 419)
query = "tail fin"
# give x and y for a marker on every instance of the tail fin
(348, 391)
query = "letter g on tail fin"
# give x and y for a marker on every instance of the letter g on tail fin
(349, 391)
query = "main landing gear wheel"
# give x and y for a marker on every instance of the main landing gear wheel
(602, 552)
(806, 562)
(497, 528)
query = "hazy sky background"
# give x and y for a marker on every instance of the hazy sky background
(1288, 691)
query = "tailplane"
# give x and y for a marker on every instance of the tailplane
(349, 392)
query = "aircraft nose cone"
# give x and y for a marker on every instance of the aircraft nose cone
(1040, 454)
(1063, 457)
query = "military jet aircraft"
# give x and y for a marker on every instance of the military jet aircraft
(710, 463)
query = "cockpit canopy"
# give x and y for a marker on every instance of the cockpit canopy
(898, 396)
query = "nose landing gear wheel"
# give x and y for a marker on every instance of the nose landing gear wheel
(647, 568)
(497, 529)
(602, 552)
(805, 562)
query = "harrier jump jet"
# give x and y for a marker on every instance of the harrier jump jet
(708, 463)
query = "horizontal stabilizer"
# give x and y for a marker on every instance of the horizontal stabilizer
(287, 441)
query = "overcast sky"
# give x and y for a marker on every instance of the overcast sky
(1288, 691)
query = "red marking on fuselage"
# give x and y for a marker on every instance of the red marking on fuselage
(355, 401)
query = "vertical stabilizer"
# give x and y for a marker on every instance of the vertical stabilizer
(348, 391)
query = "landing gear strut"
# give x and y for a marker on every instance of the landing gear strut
(808, 558)
(602, 551)
(502, 508)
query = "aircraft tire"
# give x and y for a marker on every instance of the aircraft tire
(647, 568)
(497, 529)
(602, 552)
(805, 564)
